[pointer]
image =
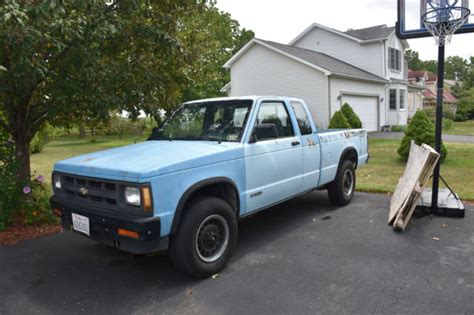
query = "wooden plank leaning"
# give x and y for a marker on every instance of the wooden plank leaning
(421, 162)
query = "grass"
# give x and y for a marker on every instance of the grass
(66, 147)
(464, 128)
(381, 174)
(385, 168)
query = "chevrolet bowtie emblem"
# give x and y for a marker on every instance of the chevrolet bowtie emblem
(83, 191)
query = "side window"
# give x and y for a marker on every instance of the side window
(393, 99)
(273, 121)
(302, 118)
(402, 99)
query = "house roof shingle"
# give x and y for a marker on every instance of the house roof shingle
(335, 66)
(374, 32)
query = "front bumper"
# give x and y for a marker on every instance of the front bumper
(104, 227)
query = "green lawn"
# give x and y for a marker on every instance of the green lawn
(66, 147)
(384, 169)
(381, 174)
(465, 128)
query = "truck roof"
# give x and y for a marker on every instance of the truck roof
(247, 97)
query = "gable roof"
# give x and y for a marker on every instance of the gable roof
(320, 61)
(335, 66)
(361, 36)
(372, 33)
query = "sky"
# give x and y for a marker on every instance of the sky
(283, 20)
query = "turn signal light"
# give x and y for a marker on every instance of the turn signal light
(128, 233)
(146, 193)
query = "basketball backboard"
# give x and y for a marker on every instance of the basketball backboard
(410, 12)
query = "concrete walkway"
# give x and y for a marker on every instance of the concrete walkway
(399, 135)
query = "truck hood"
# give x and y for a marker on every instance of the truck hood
(139, 162)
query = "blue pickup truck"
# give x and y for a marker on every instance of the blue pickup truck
(211, 163)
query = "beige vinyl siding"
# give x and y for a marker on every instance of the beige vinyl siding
(367, 57)
(261, 71)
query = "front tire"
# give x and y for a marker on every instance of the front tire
(206, 237)
(341, 190)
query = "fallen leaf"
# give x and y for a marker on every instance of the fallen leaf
(435, 238)
(189, 291)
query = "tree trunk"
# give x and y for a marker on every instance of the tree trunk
(82, 131)
(22, 151)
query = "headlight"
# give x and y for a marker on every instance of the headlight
(57, 181)
(132, 196)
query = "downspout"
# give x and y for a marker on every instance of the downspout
(329, 99)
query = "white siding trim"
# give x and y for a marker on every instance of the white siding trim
(316, 25)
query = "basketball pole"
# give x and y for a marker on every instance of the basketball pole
(439, 127)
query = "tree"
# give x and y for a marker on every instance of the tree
(413, 59)
(421, 130)
(455, 68)
(210, 37)
(60, 60)
(339, 121)
(351, 116)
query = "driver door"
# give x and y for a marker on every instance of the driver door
(273, 162)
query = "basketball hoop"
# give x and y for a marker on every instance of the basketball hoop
(443, 22)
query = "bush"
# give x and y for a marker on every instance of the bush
(351, 116)
(339, 121)
(35, 203)
(460, 116)
(448, 114)
(39, 140)
(421, 130)
(9, 188)
(398, 128)
(448, 124)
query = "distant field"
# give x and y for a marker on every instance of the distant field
(465, 128)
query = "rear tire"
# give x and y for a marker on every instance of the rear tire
(206, 237)
(341, 190)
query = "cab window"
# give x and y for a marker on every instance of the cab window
(302, 118)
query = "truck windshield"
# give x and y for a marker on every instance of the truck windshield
(214, 121)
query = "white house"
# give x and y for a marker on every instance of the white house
(326, 67)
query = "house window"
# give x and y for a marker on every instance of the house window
(393, 99)
(395, 59)
(402, 99)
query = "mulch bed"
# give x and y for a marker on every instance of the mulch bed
(13, 234)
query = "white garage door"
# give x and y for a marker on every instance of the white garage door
(366, 107)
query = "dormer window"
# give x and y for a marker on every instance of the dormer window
(395, 59)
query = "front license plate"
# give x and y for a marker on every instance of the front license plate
(80, 223)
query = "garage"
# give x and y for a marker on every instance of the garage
(366, 107)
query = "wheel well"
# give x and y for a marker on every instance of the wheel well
(351, 155)
(223, 189)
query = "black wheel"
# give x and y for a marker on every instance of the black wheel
(341, 190)
(206, 237)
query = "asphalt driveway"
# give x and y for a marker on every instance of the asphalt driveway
(399, 135)
(303, 256)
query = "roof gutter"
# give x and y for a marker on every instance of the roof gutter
(346, 76)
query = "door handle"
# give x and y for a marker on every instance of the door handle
(295, 143)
